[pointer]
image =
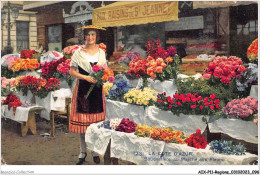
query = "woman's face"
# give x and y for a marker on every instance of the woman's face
(91, 37)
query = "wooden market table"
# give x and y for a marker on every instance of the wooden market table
(30, 124)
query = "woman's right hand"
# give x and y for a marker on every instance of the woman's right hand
(90, 79)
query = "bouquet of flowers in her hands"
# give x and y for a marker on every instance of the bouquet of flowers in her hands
(101, 74)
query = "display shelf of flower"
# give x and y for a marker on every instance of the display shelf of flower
(69, 51)
(102, 46)
(50, 68)
(38, 86)
(119, 88)
(12, 101)
(24, 65)
(167, 135)
(204, 87)
(27, 54)
(197, 140)
(189, 104)
(126, 125)
(252, 51)
(225, 69)
(244, 108)
(227, 147)
(145, 97)
(63, 72)
(101, 74)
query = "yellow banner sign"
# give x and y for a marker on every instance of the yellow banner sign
(135, 12)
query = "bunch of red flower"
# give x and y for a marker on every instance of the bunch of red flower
(126, 125)
(181, 103)
(197, 140)
(138, 67)
(48, 69)
(156, 51)
(27, 53)
(225, 68)
(38, 86)
(12, 101)
(64, 67)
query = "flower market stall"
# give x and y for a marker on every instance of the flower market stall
(165, 121)
(164, 117)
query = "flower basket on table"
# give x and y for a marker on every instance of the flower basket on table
(63, 72)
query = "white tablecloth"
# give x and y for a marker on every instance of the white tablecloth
(152, 116)
(146, 151)
(54, 101)
(236, 128)
(21, 114)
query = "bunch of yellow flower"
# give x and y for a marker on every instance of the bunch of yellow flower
(106, 87)
(142, 130)
(25, 64)
(140, 97)
(164, 134)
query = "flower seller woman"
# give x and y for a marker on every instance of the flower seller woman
(91, 110)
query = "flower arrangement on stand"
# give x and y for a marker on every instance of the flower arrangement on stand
(12, 101)
(252, 52)
(162, 64)
(244, 108)
(167, 135)
(225, 69)
(119, 88)
(101, 74)
(27, 54)
(24, 65)
(63, 72)
(50, 68)
(38, 86)
(69, 51)
(7, 86)
(189, 104)
(145, 97)
(227, 147)
(197, 140)
(126, 125)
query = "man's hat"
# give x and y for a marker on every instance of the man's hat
(91, 27)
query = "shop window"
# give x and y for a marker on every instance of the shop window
(22, 35)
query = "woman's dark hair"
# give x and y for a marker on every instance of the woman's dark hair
(97, 33)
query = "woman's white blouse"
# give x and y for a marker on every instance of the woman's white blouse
(91, 59)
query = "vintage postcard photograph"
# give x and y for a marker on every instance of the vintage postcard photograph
(121, 87)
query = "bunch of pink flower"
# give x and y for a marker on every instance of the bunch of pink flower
(7, 82)
(64, 67)
(70, 49)
(243, 108)
(10, 60)
(225, 68)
